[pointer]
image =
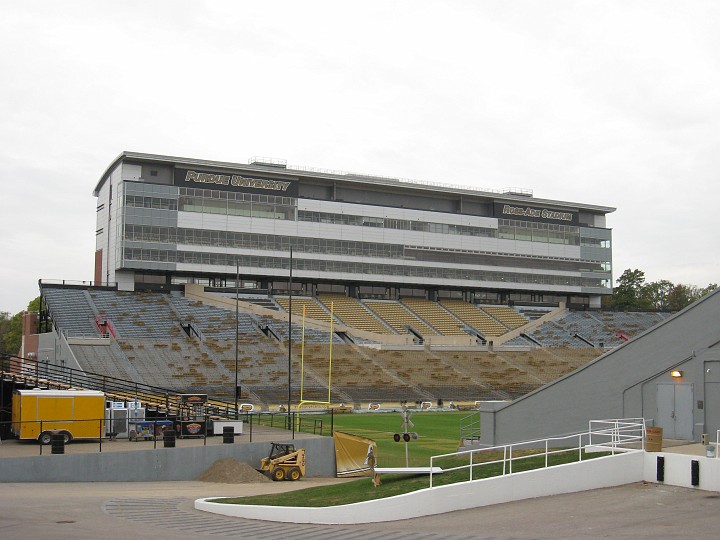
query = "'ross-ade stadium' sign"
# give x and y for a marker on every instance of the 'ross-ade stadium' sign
(529, 213)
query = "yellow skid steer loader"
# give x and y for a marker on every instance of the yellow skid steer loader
(284, 462)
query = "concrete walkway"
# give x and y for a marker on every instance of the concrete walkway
(112, 511)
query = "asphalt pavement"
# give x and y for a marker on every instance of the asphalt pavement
(111, 511)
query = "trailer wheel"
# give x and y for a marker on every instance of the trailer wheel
(278, 474)
(66, 437)
(294, 474)
(45, 438)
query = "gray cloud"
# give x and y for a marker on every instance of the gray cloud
(613, 103)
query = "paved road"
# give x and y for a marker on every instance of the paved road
(111, 511)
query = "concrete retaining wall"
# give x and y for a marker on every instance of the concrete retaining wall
(677, 470)
(571, 478)
(161, 464)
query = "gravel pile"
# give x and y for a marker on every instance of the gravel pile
(232, 471)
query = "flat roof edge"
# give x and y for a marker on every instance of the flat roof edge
(347, 177)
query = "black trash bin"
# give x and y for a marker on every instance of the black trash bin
(228, 434)
(169, 438)
(58, 443)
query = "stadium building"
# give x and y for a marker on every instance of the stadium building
(163, 222)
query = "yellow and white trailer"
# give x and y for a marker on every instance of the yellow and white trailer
(76, 414)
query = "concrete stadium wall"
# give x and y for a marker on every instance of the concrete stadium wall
(161, 464)
(620, 384)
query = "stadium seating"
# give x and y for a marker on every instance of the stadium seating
(135, 315)
(506, 315)
(398, 317)
(352, 313)
(554, 334)
(109, 360)
(309, 335)
(214, 322)
(436, 316)
(71, 311)
(313, 309)
(475, 318)
(152, 348)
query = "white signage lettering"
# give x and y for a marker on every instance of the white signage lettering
(237, 181)
(536, 213)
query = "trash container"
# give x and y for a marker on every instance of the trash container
(228, 434)
(58, 443)
(653, 439)
(169, 438)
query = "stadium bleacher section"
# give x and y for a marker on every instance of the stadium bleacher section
(475, 318)
(152, 344)
(436, 316)
(71, 311)
(352, 313)
(398, 317)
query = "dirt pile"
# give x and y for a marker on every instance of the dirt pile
(232, 471)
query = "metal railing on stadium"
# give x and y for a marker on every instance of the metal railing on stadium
(34, 374)
(46, 375)
(611, 436)
(50, 282)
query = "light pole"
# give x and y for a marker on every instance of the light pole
(290, 338)
(237, 330)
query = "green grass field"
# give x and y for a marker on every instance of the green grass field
(438, 433)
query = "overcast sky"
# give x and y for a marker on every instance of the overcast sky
(613, 103)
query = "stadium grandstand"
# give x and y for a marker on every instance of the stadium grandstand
(208, 272)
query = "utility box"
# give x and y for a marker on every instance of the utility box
(77, 414)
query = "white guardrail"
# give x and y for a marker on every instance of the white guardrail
(613, 436)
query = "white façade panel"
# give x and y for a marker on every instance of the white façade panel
(190, 220)
(131, 172)
(215, 222)
(395, 213)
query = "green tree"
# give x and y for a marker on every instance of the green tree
(656, 294)
(632, 293)
(628, 293)
(11, 328)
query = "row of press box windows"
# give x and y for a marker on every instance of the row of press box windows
(240, 240)
(345, 267)
(508, 229)
(362, 291)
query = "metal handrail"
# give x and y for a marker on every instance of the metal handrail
(620, 441)
(90, 283)
(470, 426)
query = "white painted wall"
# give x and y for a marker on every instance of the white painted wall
(570, 478)
(677, 470)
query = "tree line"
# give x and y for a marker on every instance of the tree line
(632, 293)
(11, 328)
